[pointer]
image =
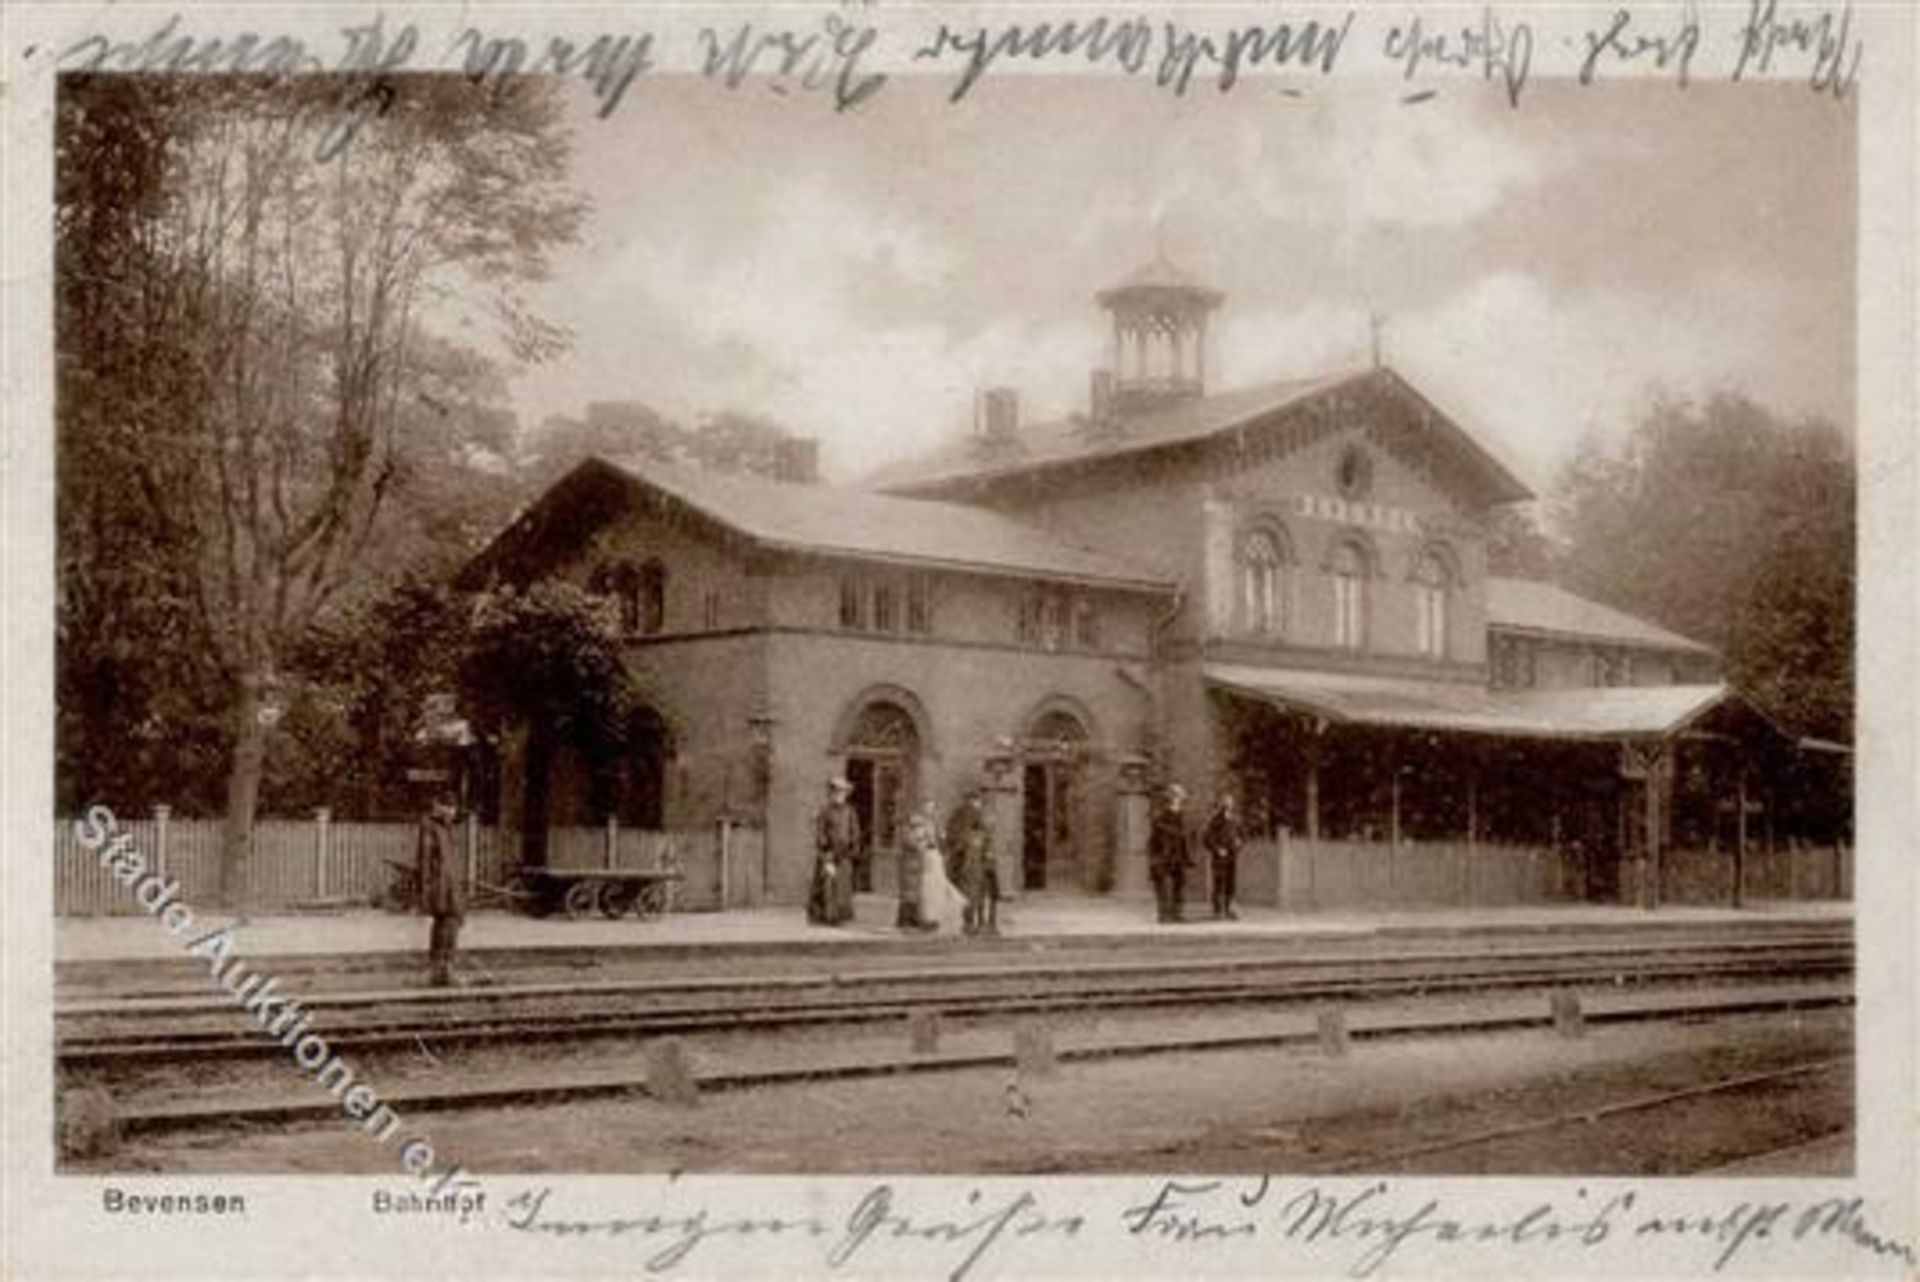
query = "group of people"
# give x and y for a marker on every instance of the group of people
(947, 880)
(944, 876)
(1170, 853)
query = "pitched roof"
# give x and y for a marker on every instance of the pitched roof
(1159, 275)
(1613, 712)
(1536, 606)
(1074, 440)
(828, 519)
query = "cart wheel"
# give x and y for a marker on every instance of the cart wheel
(615, 899)
(651, 901)
(581, 897)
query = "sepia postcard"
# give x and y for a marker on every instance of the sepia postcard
(1005, 641)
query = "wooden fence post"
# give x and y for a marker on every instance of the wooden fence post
(613, 840)
(473, 852)
(321, 818)
(161, 813)
(1332, 1025)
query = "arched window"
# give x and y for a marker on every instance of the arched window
(1263, 584)
(1348, 567)
(883, 754)
(1432, 584)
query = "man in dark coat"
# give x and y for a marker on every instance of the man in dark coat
(1168, 852)
(970, 864)
(1222, 839)
(436, 861)
(836, 845)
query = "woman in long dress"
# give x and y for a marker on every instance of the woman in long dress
(942, 906)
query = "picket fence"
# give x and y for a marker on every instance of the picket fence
(1793, 871)
(1299, 874)
(326, 863)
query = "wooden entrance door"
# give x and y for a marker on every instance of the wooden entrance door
(1052, 819)
(879, 798)
(883, 757)
(1050, 823)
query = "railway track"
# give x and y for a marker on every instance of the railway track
(1509, 1012)
(1623, 1121)
(79, 981)
(110, 1035)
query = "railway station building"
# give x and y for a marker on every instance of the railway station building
(1282, 590)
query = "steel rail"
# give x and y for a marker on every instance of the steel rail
(106, 1050)
(524, 1092)
(1335, 946)
(201, 1001)
(1587, 1116)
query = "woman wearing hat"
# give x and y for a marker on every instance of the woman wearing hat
(836, 844)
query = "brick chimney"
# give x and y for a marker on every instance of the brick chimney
(999, 417)
(797, 459)
(1100, 397)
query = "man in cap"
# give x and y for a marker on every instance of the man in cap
(1222, 838)
(1168, 852)
(836, 844)
(970, 862)
(435, 862)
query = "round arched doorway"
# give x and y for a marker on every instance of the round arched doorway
(1053, 802)
(883, 765)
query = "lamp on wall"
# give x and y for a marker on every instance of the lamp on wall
(998, 763)
(760, 728)
(760, 736)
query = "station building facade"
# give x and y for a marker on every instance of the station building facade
(1281, 590)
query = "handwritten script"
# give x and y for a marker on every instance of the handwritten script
(1361, 1229)
(835, 57)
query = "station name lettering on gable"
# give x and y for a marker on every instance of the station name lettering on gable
(1376, 516)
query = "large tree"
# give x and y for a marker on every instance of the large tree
(293, 269)
(1734, 525)
(138, 693)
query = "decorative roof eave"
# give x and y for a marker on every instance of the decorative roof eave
(1677, 645)
(526, 529)
(1507, 487)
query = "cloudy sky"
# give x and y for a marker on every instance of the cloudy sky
(857, 277)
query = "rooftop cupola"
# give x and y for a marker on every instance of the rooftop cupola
(1159, 336)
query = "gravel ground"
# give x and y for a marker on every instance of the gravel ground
(1279, 1110)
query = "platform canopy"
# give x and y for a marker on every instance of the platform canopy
(1608, 713)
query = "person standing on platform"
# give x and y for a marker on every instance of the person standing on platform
(970, 862)
(942, 906)
(921, 848)
(986, 875)
(836, 844)
(1222, 839)
(1169, 853)
(438, 876)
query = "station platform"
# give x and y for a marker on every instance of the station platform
(1078, 920)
